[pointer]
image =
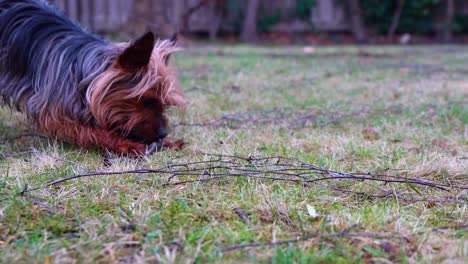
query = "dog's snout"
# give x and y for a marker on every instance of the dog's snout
(162, 133)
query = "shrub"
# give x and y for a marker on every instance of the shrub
(416, 16)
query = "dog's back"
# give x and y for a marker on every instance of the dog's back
(81, 88)
(46, 60)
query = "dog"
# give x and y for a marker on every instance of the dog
(82, 88)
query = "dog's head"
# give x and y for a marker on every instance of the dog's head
(131, 96)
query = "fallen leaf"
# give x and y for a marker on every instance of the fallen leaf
(406, 70)
(396, 95)
(370, 133)
(175, 145)
(311, 210)
(405, 39)
(411, 146)
(390, 248)
(233, 88)
(440, 143)
(309, 50)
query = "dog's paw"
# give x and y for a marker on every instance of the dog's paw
(130, 148)
(175, 145)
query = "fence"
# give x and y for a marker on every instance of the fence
(117, 15)
(114, 15)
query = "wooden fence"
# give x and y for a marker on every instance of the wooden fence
(116, 15)
(113, 15)
(99, 15)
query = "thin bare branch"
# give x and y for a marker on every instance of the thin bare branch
(274, 168)
(344, 233)
(242, 215)
(49, 209)
(313, 236)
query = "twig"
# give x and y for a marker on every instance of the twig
(42, 204)
(275, 168)
(344, 233)
(189, 12)
(242, 216)
(309, 237)
(455, 227)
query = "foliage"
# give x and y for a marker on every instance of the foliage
(460, 24)
(302, 11)
(303, 8)
(234, 7)
(266, 22)
(416, 17)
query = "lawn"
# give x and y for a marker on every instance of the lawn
(294, 155)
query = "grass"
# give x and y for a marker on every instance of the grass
(392, 110)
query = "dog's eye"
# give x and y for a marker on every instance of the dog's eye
(149, 102)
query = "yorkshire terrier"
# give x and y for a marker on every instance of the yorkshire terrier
(81, 88)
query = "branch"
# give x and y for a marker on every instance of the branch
(49, 209)
(275, 168)
(186, 16)
(310, 237)
(344, 233)
(242, 215)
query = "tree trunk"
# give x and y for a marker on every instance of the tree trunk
(66, 7)
(158, 20)
(186, 16)
(216, 24)
(218, 13)
(357, 23)
(177, 13)
(396, 18)
(449, 15)
(79, 11)
(217, 8)
(91, 15)
(249, 27)
(107, 14)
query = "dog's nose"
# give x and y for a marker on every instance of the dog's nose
(162, 133)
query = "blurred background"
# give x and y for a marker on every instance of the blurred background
(279, 21)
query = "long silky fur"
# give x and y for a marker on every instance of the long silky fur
(53, 69)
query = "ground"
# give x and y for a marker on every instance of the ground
(307, 154)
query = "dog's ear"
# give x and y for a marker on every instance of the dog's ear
(173, 42)
(138, 54)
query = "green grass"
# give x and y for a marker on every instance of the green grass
(391, 110)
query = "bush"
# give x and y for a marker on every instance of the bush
(303, 8)
(266, 22)
(416, 16)
(235, 21)
(460, 25)
(302, 11)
